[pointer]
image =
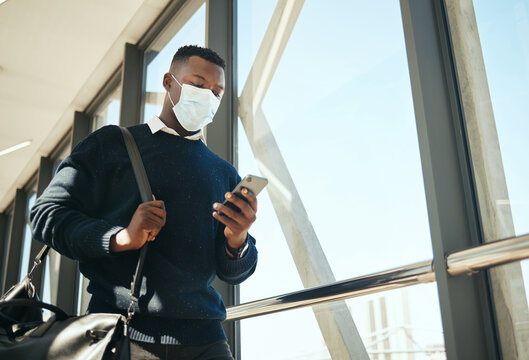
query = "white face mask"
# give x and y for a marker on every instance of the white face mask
(196, 106)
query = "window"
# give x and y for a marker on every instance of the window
(337, 126)
(187, 28)
(53, 259)
(27, 239)
(108, 111)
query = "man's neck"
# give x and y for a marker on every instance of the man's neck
(170, 120)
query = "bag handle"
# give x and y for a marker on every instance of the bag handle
(59, 313)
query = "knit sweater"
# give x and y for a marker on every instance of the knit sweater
(94, 195)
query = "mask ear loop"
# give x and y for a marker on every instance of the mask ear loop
(168, 93)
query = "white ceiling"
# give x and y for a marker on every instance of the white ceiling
(55, 55)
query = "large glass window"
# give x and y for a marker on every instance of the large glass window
(335, 134)
(27, 239)
(187, 28)
(108, 111)
(52, 262)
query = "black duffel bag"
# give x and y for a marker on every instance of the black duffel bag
(25, 336)
(63, 337)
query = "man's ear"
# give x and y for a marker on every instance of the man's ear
(167, 81)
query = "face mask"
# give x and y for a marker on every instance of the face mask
(196, 107)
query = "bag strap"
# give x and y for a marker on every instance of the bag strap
(146, 195)
(38, 260)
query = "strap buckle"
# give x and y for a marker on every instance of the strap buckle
(35, 264)
(130, 311)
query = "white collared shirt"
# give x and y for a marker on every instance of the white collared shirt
(155, 124)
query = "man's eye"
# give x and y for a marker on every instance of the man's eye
(217, 95)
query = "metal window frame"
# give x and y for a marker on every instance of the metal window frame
(131, 86)
(8, 213)
(466, 302)
(14, 241)
(4, 226)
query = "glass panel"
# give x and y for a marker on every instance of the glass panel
(393, 325)
(27, 239)
(354, 163)
(252, 22)
(159, 57)
(491, 47)
(340, 109)
(297, 337)
(108, 111)
(402, 324)
(275, 261)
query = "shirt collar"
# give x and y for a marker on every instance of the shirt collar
(155, 124)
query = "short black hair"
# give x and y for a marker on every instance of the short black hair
(185, 52)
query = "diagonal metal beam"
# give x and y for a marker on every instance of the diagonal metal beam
(335, 321)
(269, 54)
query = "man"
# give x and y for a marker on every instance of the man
(91, 212)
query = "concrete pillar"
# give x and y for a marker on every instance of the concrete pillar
(507, 282)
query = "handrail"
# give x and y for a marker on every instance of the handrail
(490, 254)
(457, 263)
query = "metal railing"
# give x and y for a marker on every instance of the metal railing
(461, 262)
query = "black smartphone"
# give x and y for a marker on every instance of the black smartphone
(253, 183)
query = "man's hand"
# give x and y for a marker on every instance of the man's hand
(237, 223)
(146, 223)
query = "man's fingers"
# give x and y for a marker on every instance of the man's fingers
(227, 211)
(244, 206)
(160, 213)
(151, 237)
(229, 222)
(251, 198)
(155, 203)
(153, 220)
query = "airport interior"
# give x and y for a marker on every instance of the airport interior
(393, 134)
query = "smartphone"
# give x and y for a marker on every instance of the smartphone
(253, 183)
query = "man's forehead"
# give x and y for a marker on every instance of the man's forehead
(198, 65)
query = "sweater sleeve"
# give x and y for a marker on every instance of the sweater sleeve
(64, 216)
(235, 271)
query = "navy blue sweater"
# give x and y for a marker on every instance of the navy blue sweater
(94, 195)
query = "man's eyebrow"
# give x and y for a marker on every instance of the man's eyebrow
(200, 76)
(203, 78)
